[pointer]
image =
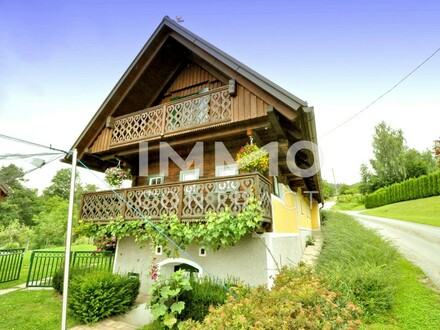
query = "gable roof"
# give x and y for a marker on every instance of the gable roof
(166, 29)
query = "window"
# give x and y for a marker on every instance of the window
(202, 252)
(226, 170)
(155, 179)
(188, 175)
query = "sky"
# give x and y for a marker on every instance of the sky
(60, 59)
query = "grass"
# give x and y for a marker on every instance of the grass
(26, 263)
(369, 271)
(349, 202)
(343, 206)
(425, 211)
(359, 264)
(32, 310)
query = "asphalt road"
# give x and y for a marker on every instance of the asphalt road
(420, 244)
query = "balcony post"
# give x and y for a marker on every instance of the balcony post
(164, 118)
(180, 209)
(257, 186)
(124, 205)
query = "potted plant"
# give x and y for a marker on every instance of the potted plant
(115, 175)
(250, 158)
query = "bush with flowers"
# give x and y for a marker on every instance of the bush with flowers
(105, 243)
(115, 175)
(250, 158)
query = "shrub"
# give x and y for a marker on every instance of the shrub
(97, 295)
(205, 293)
(58, 277)
(299, 300)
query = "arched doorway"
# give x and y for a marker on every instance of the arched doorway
(169, 266)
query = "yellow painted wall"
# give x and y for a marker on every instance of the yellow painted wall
(316, 219)
(284, 214)
(308, 211)
(292, 211)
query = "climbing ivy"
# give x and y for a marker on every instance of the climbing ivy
(219, 229)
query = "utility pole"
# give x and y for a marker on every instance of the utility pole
(334, 182)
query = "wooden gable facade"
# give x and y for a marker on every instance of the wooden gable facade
(5, 191)
(182, 90)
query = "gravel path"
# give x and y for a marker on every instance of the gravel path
(418, 243)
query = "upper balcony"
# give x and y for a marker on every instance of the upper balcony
(207, 109)
(189, 200)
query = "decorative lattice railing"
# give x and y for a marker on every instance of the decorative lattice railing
(192, 112)
(189, 200)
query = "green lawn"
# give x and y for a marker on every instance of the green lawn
(32, 310)
(27, 258)
(425, 211)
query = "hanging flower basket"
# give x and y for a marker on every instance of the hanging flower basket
(250, 158)
(115, 175)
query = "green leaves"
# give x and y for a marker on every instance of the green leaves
(219, 229)
(177, 307)
(165, 304)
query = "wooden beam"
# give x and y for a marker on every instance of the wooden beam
(275, 123)
(110, 122)
(232, 90)
(294, 134)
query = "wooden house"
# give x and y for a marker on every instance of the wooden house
(5, 191)
(181, 90)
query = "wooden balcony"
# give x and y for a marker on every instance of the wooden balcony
(189, 200)
(207, 109)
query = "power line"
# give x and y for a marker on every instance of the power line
(10, 179)
(7, 137)
(56, 155)
(24, 156)
(381, 96)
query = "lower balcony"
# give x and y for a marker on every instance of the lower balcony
(189, 200)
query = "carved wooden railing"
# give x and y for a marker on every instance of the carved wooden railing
(189, 200)
(192, 112)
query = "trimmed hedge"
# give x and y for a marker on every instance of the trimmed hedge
(421, 187)
(58, 277)
(98, 295)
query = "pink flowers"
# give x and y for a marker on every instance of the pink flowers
(105, 243)
(115, 175)
(154, 270)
